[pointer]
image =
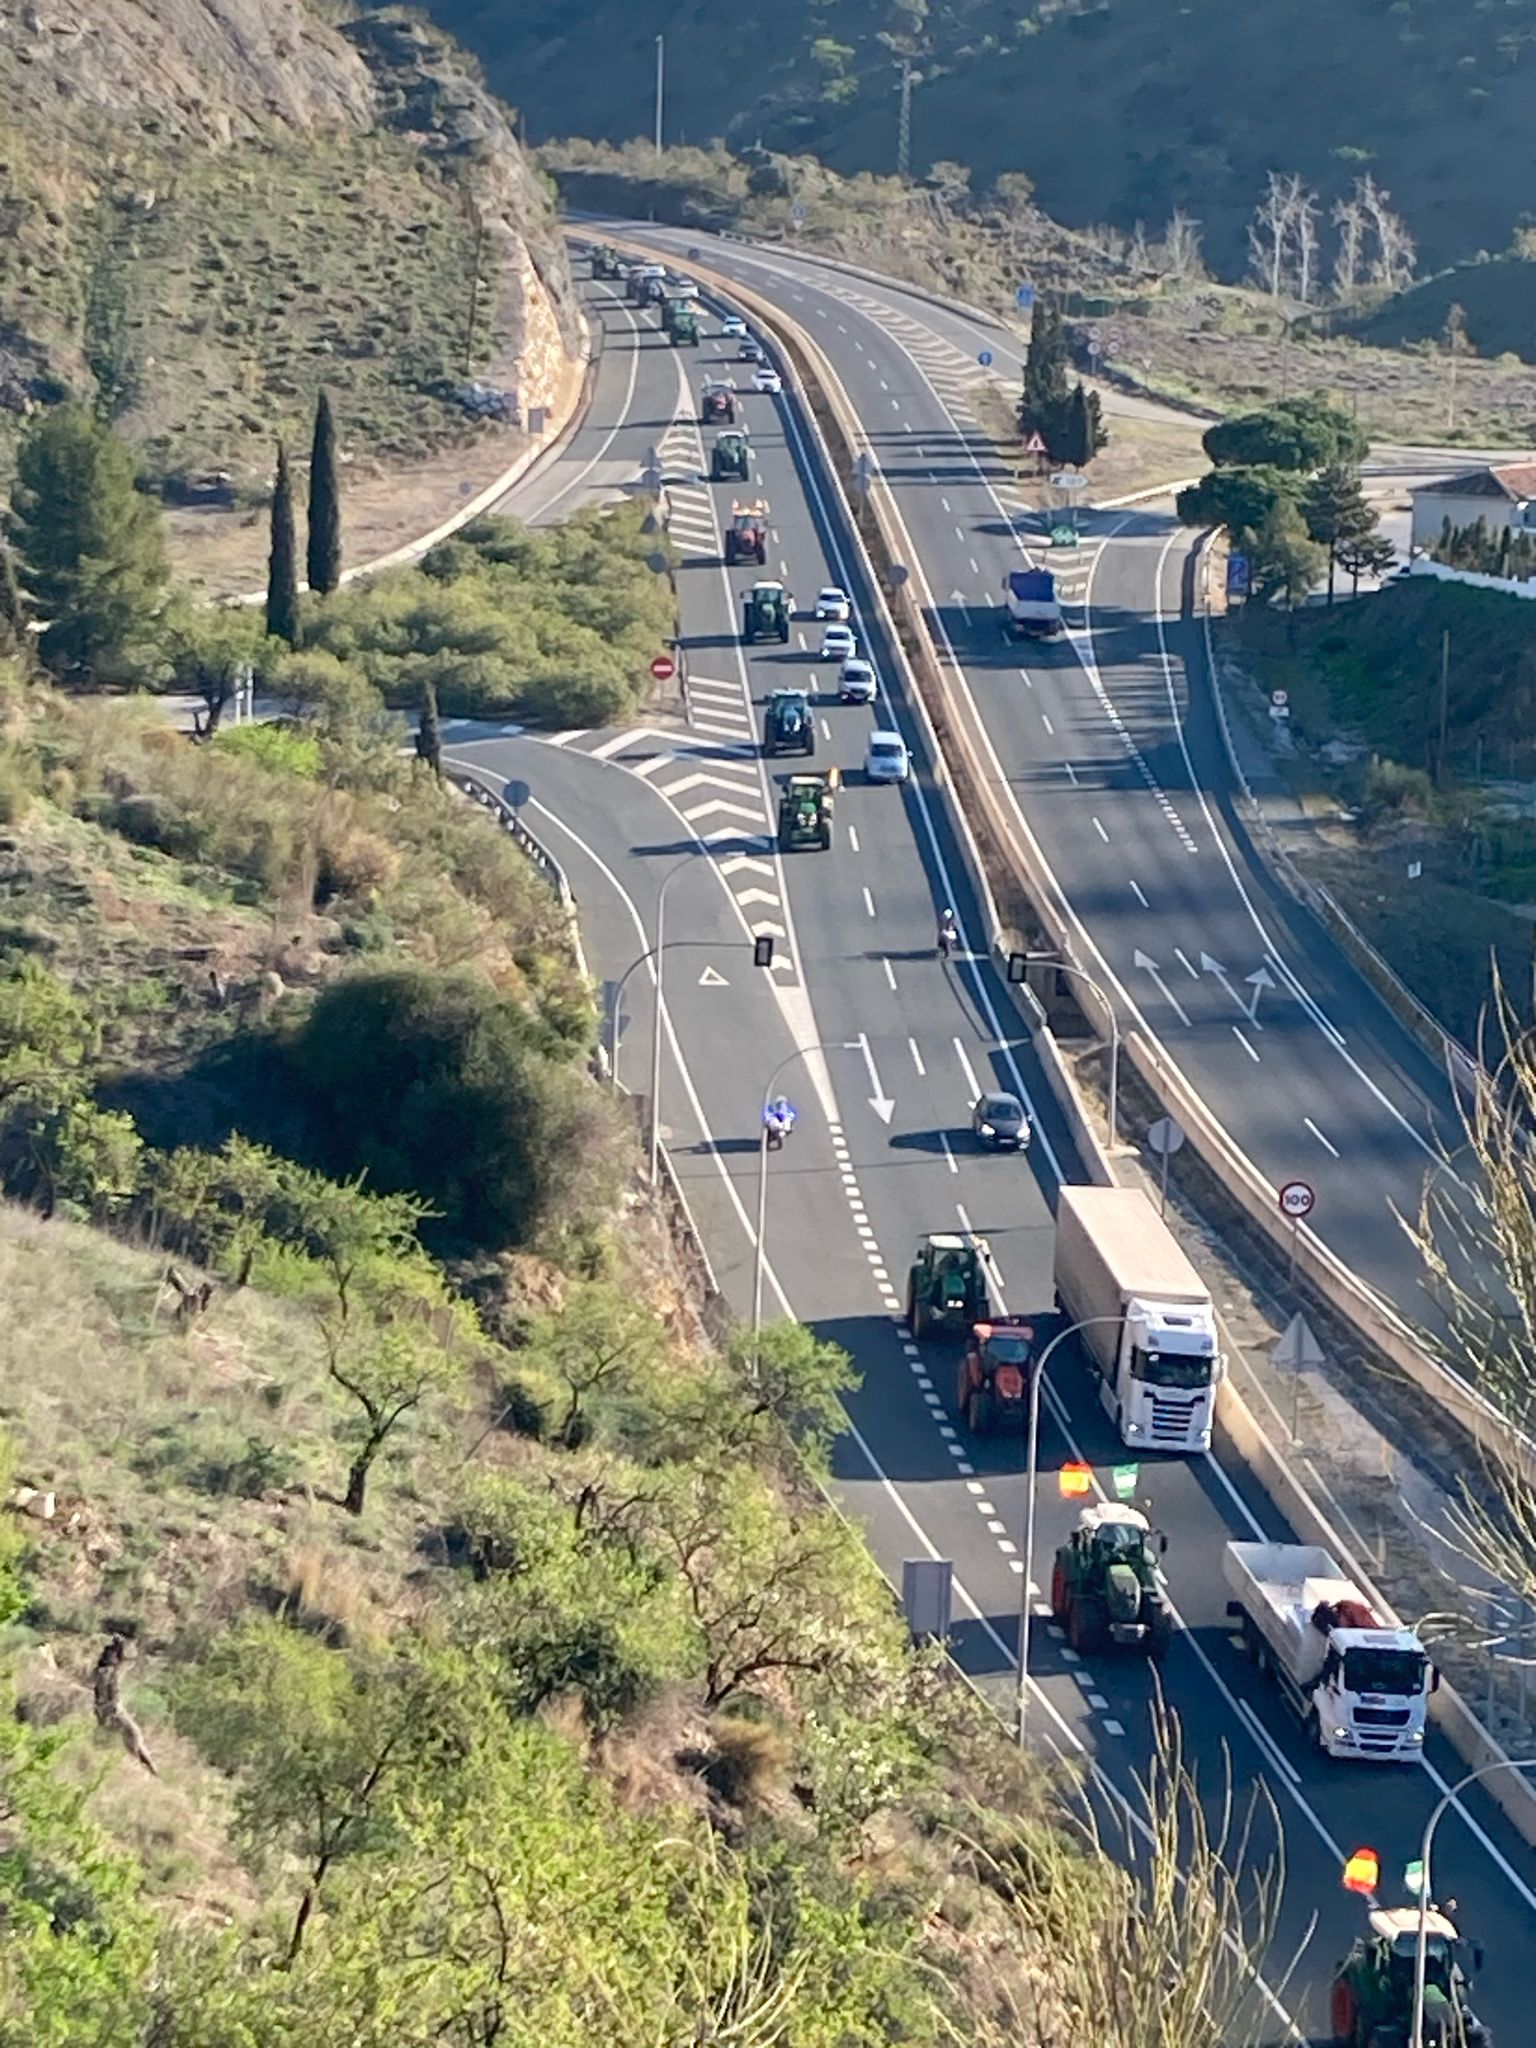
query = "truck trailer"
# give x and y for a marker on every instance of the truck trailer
(1359, 1687)
(1150, 1326)
(1033, 610)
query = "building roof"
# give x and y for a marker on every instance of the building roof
(1510, 482)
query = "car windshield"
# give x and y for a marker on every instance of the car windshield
(1008, 1348)
(1171, 1368)
(1390, 1671)
(886, 750)
(1001, 1109)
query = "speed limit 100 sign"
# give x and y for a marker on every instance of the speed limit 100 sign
(1296, 1200)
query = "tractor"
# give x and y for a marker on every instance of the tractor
(680, 321)
(717, 402)
(992, 1385)
(746, 539)
(1106, 1587)
(946, 1288)
(788, 727)
(765, 612)
(730, 456)
(1372, 2001)
(805, 812)
(605, 261)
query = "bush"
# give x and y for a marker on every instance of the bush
(277, 748)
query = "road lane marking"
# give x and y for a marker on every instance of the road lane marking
(1136, 891)
(949, 1156)
(1192, 972)
(1045, 721)
(970, 1073)
(1101, 832)
(869, 902)
(945, 503)
(890, 975)
(1247, 1048)
(1324, 1142)
(1071, 773)
(917, 1058)
(853, 843)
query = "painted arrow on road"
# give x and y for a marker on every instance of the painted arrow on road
(957, 597)
(1210, 966)
(1149, 966)
(882, 1104)
(1258, 981)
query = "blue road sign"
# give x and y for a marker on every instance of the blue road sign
(515, 793)
(797, 213)
(1025, 295)
(984, 357)
(1237, 575)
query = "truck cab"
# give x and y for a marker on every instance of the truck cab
(1163, 1391)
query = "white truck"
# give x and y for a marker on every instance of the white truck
(1033, 608)
(1150, 1326)
(1359, 1687)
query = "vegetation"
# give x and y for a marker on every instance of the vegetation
(1067, 417)
(282, 615)
(1496, 551)
(323, 553)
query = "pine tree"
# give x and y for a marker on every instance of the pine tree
(282, 559)
(1045, 403)
(324, 554)
(90, 545)
(429, 733)
(1336, 511)
(15, 641)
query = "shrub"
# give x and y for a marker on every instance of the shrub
(277, 748)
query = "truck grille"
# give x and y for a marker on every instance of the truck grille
(1170, 1420)
(1381, 1717)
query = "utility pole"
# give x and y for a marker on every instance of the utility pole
(661, 74)
(1445, 704)
(904, 124)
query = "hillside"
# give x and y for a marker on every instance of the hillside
(1498, 299)
(210, 211)
(1120, 110)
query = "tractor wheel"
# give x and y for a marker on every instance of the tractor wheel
(1342, 2013)
(1086, 1625)
(826, 839)
(914, 1309)
(962, 1390)
(1058, 1593)
(1159, 1634)
(978, 1412)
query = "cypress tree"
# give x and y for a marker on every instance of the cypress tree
(15, 642)
(90, 545)
(282, 559)
(324, 554)
(1045, 404)
(429, 733)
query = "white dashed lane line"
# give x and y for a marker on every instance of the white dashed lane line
(1326, 1144)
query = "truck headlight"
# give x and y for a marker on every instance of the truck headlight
(1340, 1735)
(1203, 1441)
(1416, 1735)
(1131, 1428)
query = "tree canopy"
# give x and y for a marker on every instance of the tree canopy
(1300, 434)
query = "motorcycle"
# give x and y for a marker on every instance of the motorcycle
(777, 1125)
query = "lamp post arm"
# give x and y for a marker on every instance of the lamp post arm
(1421, 1945)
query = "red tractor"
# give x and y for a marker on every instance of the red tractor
(992, 1386)
(717, 403)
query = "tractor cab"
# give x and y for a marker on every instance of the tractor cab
(1373, 1987)
(1105, 1585)
(680, 321)
(730, 456)
(717, 402)
(805, 812)
(605, 261)
(993, 1385)
(946, 1288)
(765, 610)
(746, 540)
(1115, 1533)
(788, 727)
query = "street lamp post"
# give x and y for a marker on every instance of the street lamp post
(1067, 967)
(661, 71)
(656, 953)
(1031, 1471)
(1421, 1949)
(789, 1059)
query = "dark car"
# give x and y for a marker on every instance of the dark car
(750, 352)
(999, 1120)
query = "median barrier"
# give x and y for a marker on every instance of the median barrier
(835, 423)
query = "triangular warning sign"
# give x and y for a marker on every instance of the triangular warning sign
(1035, 445)
(711, 978)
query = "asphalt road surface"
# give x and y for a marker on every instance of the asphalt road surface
(883, 1153)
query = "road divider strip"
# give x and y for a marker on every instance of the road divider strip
(984, 826)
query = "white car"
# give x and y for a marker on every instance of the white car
(857, 683)
(733, 326)
(764, 379)
(832, 603)
(887, 759)
(837, 643)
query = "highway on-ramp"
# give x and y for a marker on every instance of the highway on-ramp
(883, 1152)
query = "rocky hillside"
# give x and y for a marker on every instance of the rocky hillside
(211, 207)
(1120, 110)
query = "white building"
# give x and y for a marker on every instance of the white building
(1500, 497)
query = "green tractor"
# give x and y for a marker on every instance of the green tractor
(765, 610)
(1372, 2001)
(1105, 1584)
(680, 320)
(788, 727)
(946, 1287)
(730, 456)
(805, 813)
(605, 260)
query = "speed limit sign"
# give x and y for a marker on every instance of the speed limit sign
(1296, 1200)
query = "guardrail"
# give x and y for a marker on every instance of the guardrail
(961, 756)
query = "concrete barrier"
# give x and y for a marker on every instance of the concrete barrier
(960, 757)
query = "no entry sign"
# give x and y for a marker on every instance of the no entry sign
(663, 668)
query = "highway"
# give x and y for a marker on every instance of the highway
(909, 1038)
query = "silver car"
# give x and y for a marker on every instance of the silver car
(857, 682)
(886, 759)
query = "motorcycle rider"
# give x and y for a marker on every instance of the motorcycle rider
(948, 933)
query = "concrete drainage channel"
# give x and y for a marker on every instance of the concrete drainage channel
(1024, 873)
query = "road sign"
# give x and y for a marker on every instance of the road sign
(1237, 575)
(926, 1595)
(898, 573)
(1094, 337)
(515, 794)
(984, 357)
(797, 214)
(657, 563)
(695, 253)
(1165, 1136)
(1024, 297)
(1297, 1200)
(1279, 706)
(1035, 445)
(663, 668)
(864, 473)
(1297, 1350)
(1064, 536)
(1069, 480)
(1279, 698)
